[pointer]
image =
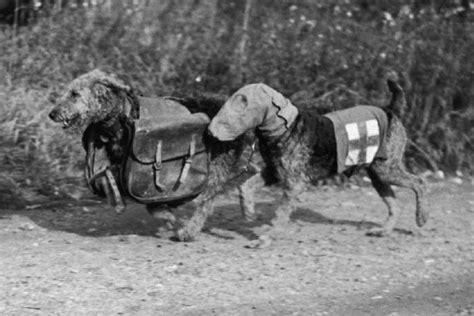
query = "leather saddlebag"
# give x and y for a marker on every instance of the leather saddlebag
(167, 161)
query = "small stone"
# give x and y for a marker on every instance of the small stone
(437, 298)
(459, 173)
(426, 174)
(456, 180)
(263, 241)
(170, 269)
(376, 297)
(429, 261)
(439, 174)
(348, 204)
(26, 226)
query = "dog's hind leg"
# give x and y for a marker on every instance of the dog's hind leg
(189, 230)
(395, 174)
(404, 179)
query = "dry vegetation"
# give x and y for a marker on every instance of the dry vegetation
(329, 54)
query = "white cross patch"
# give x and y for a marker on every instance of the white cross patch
(363, 142)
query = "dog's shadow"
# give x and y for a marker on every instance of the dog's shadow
(92, 218)
(229, 218)
(97, 219)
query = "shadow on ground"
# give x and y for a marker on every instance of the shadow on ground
(96, 219)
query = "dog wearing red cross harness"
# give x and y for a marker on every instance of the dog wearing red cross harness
(301, 147)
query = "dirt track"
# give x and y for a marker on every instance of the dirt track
(83, 258)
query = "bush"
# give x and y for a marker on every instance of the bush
(332, 54)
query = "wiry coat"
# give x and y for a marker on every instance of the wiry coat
(102, 100)
(306, 152)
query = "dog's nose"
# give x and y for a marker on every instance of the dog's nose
(53, 114)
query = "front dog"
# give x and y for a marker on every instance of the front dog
(102, 99)
(302, 148)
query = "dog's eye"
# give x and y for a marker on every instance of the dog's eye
(74, 94)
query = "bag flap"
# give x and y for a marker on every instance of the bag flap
(153, 110)
(175, 132)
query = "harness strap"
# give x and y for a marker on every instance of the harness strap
(90, 155)
(158, 165)
(189, 160)
(117, 199)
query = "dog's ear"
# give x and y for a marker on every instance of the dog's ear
(100, 90)
(98, 77)
(116, 84)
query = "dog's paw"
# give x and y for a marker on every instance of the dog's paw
(421, 217)
(185, 234)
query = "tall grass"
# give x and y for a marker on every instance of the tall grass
(317, 55)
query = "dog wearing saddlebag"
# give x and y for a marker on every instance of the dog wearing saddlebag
(152, 150)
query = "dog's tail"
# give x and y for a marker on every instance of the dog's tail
(398, 102)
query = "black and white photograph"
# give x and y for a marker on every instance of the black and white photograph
(237, 157)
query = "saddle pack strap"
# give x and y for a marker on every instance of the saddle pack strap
(158, 165)
(117, 202)
(189, 160)
(100, 178)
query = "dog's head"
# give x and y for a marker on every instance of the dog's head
(255, 106)
(90, 98)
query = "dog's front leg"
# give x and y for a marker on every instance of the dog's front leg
(286, 205)
(191, 228)
(247, 193)
(285, 208)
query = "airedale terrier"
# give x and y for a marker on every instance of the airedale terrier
(300, 148)
(99, 97)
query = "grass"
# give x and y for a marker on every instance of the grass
(317, 57)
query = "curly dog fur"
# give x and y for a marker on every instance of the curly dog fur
(99, 97)
(306, 153)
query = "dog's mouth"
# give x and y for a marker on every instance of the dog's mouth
(70, 121)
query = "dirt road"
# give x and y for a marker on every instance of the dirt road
(83, 258)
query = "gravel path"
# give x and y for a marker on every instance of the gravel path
(81, 257)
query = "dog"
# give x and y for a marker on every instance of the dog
(301, 147)
(100, 98)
